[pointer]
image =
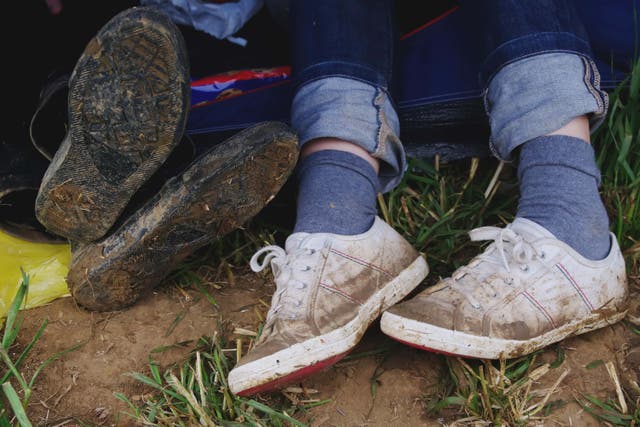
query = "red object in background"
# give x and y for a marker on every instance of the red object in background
(218, 87)
(55, 6)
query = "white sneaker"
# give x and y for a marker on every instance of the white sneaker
(526, 291)
(329, 289)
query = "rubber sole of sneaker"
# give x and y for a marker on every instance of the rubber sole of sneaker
(304, 359)
(128, 104)
(216, 194)
(455, 343)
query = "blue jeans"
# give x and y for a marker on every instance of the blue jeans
(538, 74)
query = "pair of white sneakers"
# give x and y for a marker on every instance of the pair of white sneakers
(524, 292)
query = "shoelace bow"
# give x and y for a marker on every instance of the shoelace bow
(292, 276)
(507, 246)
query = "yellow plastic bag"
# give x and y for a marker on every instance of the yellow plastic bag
(46, 265)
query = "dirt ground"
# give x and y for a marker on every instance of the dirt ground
(78, 388)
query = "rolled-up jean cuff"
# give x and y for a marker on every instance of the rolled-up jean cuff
(335, 68)
(354, 111)
(529, 45)
(539, 94)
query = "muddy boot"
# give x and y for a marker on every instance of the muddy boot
(128, 103)
(218, 193)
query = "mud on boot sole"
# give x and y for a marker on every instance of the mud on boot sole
(218, 193)
(128, 103)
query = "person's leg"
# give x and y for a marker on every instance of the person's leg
(542, 97)
(338, 185)
(559, 182)
(342, 109)
(556, 270)
(542, 119)
(343, 265)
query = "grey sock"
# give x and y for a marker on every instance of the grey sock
(559, 182)
(336, 193)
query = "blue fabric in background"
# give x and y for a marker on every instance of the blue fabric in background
(437, 88)
(441, 62)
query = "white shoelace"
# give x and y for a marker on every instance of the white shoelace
(293, 274)
(507, 247)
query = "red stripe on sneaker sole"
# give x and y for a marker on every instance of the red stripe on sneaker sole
(430, 350)
(292, 377)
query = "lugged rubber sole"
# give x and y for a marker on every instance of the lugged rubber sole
(128, 104)
(216, 194)
(304, 359)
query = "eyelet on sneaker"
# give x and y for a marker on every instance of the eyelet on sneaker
(542, 255)
(311, 251)
(525, 268)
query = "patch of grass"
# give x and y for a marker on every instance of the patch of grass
(617, 144)
(195, 392)
(500, 392)
(14, 402)
(437, 204)
(624, 410)
(609, 411)
(215, 264)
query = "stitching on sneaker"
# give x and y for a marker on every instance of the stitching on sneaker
(340, 292)
(361, 262)
(575, 285)
(540, 307)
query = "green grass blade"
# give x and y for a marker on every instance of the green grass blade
(158, 386)
(134, 408)
(27, 349)
(267, 410)
(52, 358)
(10, 329)
(16, 404)
(594, 364)
(155, 371)
(634, 87)
(12, 368)
(447, 401)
